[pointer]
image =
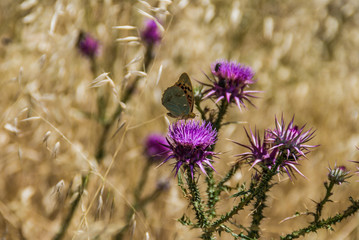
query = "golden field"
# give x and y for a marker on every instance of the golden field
(306, 59)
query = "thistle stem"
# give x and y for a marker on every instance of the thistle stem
(236, 236)
(261, 188)
(228, 176)
(195, 198)
(321, 204)
(258, 207)
(325, 223)
(221, 112)
(211, 193)
(200, 110)
(220, 186)
(214, 191)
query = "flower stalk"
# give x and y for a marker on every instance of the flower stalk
(222, 109)
(325, 223)
(211, 194)
(261, 188)
(321, 204)
(195, 199)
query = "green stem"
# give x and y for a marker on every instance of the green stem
(195, 198)
(321, 204)
(220, 186)
(208, 236)
(180, 183)
(66, 223)
(228, 176)
(325, 223)
(262, 187)
(200, 110)
(258, 207)
(236, 236)
(211, 193)
(221, 112)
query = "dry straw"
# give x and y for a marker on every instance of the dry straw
(305, 59)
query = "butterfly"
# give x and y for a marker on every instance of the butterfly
(179, 99)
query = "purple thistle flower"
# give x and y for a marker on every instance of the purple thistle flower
(231, 79)
(259, 151)
(189, 143)
(290, 140)
(87, 45)
(281, 144)
(155, 147)
(338, 175)
(151, 33)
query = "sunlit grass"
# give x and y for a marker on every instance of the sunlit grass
(306, 62)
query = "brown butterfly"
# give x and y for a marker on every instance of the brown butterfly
(179, 99)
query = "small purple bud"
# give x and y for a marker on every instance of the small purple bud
(155, 149)
(151, 33)
(338, 175)
(88, 45)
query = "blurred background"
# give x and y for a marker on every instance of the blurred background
(305, 55)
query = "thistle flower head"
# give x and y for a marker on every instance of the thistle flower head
(88, 45)
(259, 151)
(231, 80)
(151, 33)
(338, 175)
(290, 140)
(281, 147)
(189, 143)
(155, 147)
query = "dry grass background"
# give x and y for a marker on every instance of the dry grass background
(305, 54)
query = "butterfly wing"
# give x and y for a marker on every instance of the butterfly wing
(185, 84)
(175, 101)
